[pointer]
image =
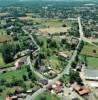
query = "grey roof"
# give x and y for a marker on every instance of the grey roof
(91, 74)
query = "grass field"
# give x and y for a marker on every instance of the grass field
(52, 30)
(3, 32)
(44, 22)
(1, 60)
(88, 50)
(9, 75)
(92, 62)
(47, 96)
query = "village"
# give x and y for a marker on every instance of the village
(49, 52)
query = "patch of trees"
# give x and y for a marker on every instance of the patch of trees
(8, 52)
(74, 77)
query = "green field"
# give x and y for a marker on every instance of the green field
(51, 59)
(14, 77)
(92, 62)
(88, 50)
(47, 96)
(1, 60)
(3, 32)
(17, 74)
(44, 22)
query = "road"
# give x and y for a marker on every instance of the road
(66, 71)
(28, 58)
(33, 70)
(82, 36)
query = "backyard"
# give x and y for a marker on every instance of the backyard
(47, 96)
(90, 50)
(92, 62)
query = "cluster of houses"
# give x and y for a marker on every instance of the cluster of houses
(56, 88)
(79, 89)
(47, 71)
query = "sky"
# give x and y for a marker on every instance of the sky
(57, 0)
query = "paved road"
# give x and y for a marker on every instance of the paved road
(91, 96)
(28, 58)
(33, 70)
(66, 71)
(82, 36)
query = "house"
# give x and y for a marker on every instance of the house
(11, 98)
(43, 69)
(56, 88)
(8, 98)
(43, 81)
(62, 54)
(20, 62)
(58, 83)
(14, 98)
(91, 74)
(78, 67)
(79, 89)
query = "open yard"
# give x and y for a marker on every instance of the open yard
(48, 22)
(47, 96)
(89, 55)
(92, 62)
(90, 50)
(52, 30)
(17, 74)
(4, 38)
(13, 80)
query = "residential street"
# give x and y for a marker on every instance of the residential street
(66, 71)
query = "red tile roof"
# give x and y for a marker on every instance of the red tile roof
(83, 91)
(8, 98)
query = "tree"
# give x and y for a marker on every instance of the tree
(24, 77)
(75, 77)
(63, 41)
(64, 25)
(43, 98)
(73, 64)
(8, 52)
(94, 51)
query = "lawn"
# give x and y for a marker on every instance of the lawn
(1, 60)
(11, 77)
(17, 74)
(88, 50)
(52, 30)
(3, 32)
(47, 96)
(50, 22)
(92, 62)
(52, 59)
